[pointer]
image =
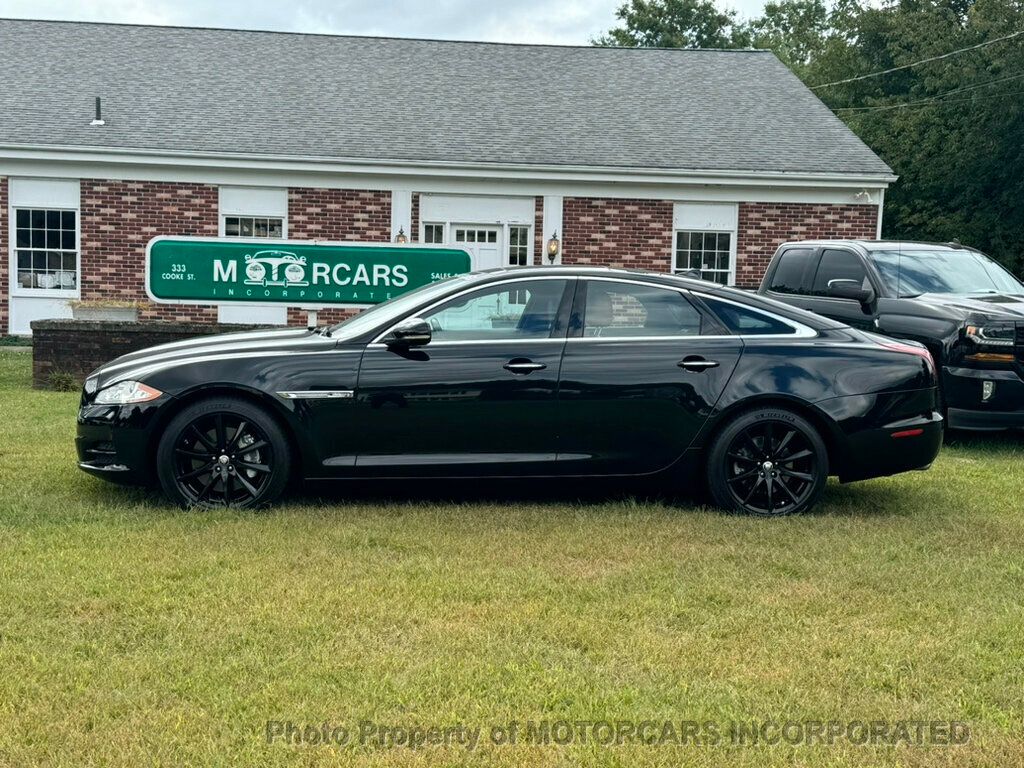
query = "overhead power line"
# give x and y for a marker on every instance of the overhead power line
(935, 97)
(931, 102)
(918, 63)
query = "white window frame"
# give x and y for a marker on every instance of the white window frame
(706, 218)
(423, 231)
(42, 194)
(252, 202)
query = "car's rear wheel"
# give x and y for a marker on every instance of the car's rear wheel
(223, 452)
(769, 462)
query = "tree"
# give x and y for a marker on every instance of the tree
(796, 30)
(952, 129)
(675, 24)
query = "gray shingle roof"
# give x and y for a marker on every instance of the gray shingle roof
(206, 90)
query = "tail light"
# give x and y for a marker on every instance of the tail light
(912, 349)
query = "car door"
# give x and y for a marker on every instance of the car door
(480, 398)
(642, 370)
(841, 264)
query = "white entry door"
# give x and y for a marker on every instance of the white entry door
(483, 242)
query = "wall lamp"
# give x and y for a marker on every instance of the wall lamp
(553, 246)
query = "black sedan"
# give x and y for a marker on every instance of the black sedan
(528, 372)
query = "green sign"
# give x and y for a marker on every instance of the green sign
(196, 270)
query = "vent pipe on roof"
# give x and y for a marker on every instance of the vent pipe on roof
(98, 120)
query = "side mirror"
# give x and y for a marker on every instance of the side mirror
(411, 332)
(851, 289)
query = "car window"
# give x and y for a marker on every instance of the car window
(632, 309)
(746, 321)
(521, 309)
(943, 270)
(839, 265)
(791, 271)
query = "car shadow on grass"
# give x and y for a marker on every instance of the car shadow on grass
(866, 498)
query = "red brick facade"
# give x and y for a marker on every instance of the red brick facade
(414, 226)
(5, 284)
(118, 218)
(636, 234)
(764, 226)
(539, 252)
(337, 214)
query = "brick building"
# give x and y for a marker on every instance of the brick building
(647, 158)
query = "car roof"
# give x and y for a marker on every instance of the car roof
(885, 245)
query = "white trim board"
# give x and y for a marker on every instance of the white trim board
(376, 166)
(717, 190)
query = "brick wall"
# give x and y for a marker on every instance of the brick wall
(636, 234)
(539, 238)
(414, 226)
(337, 214)
(75, 348)
(764, 226)
(5, 288)
(119, 217)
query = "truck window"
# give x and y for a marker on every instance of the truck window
(792, 273)
(838, 265)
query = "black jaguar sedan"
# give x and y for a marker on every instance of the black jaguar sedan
(524, 373)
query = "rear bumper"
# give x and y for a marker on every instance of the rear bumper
(900, 446)
(963, 390)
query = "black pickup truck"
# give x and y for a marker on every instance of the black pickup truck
(962, 305)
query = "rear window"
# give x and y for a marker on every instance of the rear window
(747, 321)
(791, 270)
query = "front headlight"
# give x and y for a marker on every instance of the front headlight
(125, 392)
(991, 343)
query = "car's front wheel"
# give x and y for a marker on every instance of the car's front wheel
(223, 452)
(768, 461)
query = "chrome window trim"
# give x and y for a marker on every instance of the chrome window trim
(376, 341)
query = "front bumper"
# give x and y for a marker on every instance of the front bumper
(962, 389)
(113, 442)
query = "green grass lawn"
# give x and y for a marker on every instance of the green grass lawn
(133, 633)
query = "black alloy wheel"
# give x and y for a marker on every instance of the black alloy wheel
(768, 462)
(223, 453)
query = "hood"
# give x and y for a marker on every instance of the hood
(996, 306)
(222, 347)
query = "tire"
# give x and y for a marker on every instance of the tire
(787, 478)
(223, 452)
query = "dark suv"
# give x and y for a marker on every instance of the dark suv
(962, 305)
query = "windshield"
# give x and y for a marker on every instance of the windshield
(913, 272)
(382, 313)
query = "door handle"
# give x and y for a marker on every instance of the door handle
(696, 363)
(523, 366)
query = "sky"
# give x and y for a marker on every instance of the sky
(571, 22)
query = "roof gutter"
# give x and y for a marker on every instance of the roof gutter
(314, 163)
